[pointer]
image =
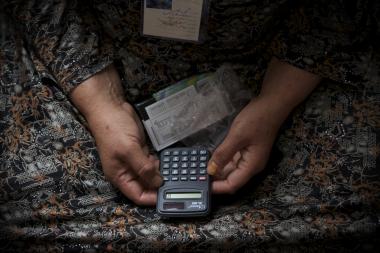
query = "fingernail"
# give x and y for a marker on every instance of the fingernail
(212, 168)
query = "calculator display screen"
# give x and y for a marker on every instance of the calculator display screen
(184, 195)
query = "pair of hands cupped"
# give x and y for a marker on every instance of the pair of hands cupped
(129, 166)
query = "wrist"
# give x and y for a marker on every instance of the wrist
(280, 105)
(273, 113)
(285, 86)
(99, 94)
(101, 118)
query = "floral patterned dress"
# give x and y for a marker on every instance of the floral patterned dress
(320, 190)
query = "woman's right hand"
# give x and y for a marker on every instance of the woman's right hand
(124, 154)
(119, 137)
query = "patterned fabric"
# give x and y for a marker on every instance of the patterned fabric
(321, 188)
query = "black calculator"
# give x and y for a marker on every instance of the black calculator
(186, 188)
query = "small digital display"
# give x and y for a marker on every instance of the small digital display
(174, 205)
(183, 195)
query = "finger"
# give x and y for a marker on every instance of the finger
(157, 166)
(156, 161)
(145, 167)
(223, 173)
(149, 197)
(157, 177)
(235, 180)
(247, 166)
(150, 175)
(224, 153)
(135, 191)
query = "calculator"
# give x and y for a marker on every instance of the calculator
(186, 185)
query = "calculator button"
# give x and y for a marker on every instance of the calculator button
(193, 165)
(166, 159)
(174, 172)
(203, 152)
(175, 165)
(166, 166)
(174, 178)
(194, 152)
(184, 172)
(184, 152)
(175, 159)
(165, 172)
(202, 178)
(185, 159)
(183, 178)
(193, 158)
(193, 172)
(202, 165)
(193, 178)
(202, 158)
(202, 172)
(176, 152)
(167, 153)
(166, 178)
(184, 165)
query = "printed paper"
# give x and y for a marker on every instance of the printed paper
(177, 19)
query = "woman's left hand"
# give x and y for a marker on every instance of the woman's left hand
(247, 146)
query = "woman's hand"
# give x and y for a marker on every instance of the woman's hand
(124, 154)
(246, 148)
(119, 137)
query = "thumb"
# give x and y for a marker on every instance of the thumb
(145, 167)
(223, 154)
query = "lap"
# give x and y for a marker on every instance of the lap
(323, 187)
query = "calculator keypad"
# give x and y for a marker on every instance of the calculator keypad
(184, 165)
